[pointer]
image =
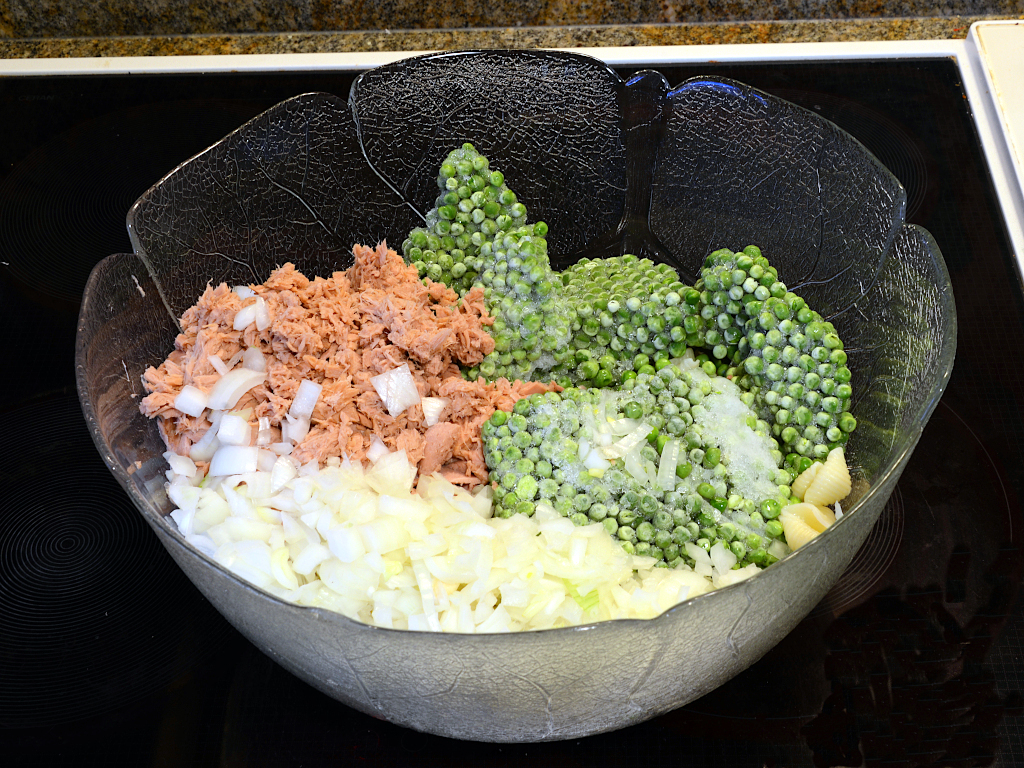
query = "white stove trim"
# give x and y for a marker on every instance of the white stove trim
(287, 62)
(1005, 165)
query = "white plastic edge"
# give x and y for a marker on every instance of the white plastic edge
(991, 128)
(653, 55)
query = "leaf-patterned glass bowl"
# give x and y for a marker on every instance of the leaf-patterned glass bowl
(613, 166)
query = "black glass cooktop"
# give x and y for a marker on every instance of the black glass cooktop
(108, 655)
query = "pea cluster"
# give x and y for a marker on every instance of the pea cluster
(789, 359)
(534, 454)
(473, 207)
(630, 313)
(477, 234)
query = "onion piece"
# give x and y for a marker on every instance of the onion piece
(235, 460)
(621, 427)
(594, 460)
(584, 448)
(191, 401)
(245, 317)
(629, 442)
(667, 466)
(282, 473)
(266, 461)
(233, 360)
(183, 519)
(234, 430)
(205, 447)
(722, 558)
(305, 399)
(392, 474)
(243, 292)
(637, 467)
(345, 543)
(294, 430)
(231, 386)
(254, 360)
(396, 389)
(262, 315)
(778, 549)
(376, 450)
(433, 407)
(698, 554)
(218, 364)
(263, 434)
(181, 465)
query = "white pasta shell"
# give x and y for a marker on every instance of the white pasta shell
(832, 482)
(804, 479)
(802, 522)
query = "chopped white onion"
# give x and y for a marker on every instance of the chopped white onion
(722, 558)
(594, 460)
(696, 553)
(310, 558)
(376, 449)
(234, 460)
(778, 549)
(191, 401)
(243, 291)
(636, 466)
(283, 471)
(245, 317)
(233, 360)
(234, 430)
(305, 399)
(267, 460)
(231, 386)
(629, 442)
(623, 426)
(584, 449)
(433, 407)
(181, 465)
(294, 430)
(206, 446)
(667, 467)
(363, 542)
(392, 474)
(254, 360)
(183, 519)
(218, 364)
(397, 389)
(263, 433)
(346, 544)
(262, 315)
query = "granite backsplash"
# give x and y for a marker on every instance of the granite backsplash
(26, 19)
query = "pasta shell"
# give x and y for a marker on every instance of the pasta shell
(832, 482)
(804, 480)
(802, 522)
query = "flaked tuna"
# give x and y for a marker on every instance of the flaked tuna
(340, 332)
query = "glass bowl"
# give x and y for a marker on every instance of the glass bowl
(613, 166)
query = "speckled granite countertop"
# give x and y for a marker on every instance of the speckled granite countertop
(66, 28)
